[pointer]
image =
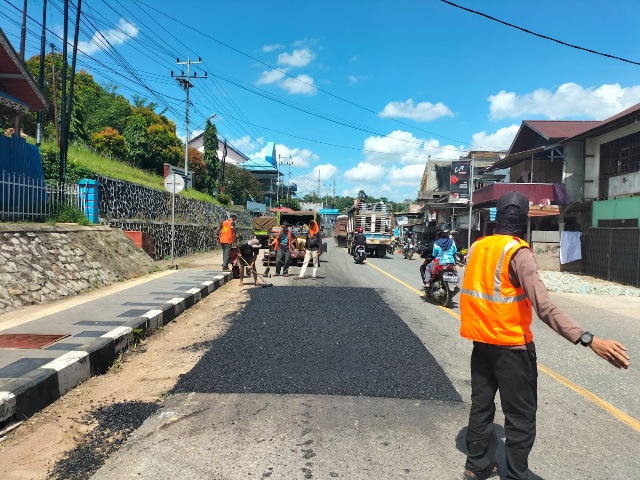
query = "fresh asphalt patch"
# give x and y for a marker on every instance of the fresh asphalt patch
(323, 341)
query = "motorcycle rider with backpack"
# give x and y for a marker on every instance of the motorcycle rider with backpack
(444, 250)
(359, 239)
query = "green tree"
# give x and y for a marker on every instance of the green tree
(210, 157)
(199, 169)
(311, 198)
(292, 203)
(164, 147)
(241, 185)
(137, 135)
(110, 142)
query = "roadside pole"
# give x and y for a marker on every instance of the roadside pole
(470, 204)
(173, 184)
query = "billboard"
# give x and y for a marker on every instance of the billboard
(459, 180)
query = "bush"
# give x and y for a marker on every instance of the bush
(51, 167)
(70, 214)
(110, 142)
(223, 198)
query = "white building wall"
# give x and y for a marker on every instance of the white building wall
(592, 164)
(573, 176)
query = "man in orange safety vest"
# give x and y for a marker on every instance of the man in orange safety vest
(501, 285)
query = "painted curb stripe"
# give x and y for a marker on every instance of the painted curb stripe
(65, 360)
(117, 332)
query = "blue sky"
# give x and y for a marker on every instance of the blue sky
(361, 93)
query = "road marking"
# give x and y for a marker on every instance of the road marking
(606, 406)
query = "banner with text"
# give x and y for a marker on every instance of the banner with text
(459, 181)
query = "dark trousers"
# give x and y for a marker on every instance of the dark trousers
(515, 374)
(283, 259)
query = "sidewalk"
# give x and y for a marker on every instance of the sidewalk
(46, 350)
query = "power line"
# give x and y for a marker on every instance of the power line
(577, 47)
(185, 82)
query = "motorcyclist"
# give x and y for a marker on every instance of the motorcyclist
(444, 250)
(359, 238)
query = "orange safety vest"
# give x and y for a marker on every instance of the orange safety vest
(492, 310)
(289, 246)
(226, 233)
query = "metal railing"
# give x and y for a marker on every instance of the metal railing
(24, 198)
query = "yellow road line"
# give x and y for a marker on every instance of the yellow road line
(606, 406)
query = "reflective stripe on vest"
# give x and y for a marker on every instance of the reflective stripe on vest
(499, 314)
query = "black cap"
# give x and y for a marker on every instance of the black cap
(513, 203)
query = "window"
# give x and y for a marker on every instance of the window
(621, 156)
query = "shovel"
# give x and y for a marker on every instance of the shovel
(263, 283)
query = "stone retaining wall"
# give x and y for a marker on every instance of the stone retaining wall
(41, 263)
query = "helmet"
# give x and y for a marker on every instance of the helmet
(359, 230)
(444, 230)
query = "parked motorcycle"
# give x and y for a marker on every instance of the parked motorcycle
(444, 282)
(359, 253)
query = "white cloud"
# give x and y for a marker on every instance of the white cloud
(569, 100)
(116, 36)
(500, 140)
(422, 112)
(298, 58)
(365, 172)
(302, 84)
(402, 147)
(247, 144)
(407, 176)
(268, 77)
(271, 48)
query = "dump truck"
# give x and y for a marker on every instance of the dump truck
(299, 225)
(340, 231)
(375, 220)
(262, 227)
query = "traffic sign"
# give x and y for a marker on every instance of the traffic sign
(174, 183)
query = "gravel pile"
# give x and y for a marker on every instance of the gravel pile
(572, 283)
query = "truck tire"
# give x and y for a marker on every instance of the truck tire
(382, 251)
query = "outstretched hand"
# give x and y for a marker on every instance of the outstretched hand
(613, 352)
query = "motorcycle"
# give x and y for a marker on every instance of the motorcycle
(393, 246)
(408, 250)
(444, 283)
(359, 253)
(460, 257)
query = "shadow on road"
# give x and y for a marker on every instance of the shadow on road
(327, 340)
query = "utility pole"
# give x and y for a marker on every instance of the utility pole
(23, 31)
(470, 202)
(55, 95)
(289, 180)
(63, 114)
(74, 56)
(43, 46)
(318, 182)
(185, 82)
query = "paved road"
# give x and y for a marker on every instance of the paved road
(355, 376)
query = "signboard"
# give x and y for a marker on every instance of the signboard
(401, 221)
(171, 170)
(256, 207)
(459, 180)
(174, 183)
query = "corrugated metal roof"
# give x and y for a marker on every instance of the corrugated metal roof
(15, 79)
(561, 129)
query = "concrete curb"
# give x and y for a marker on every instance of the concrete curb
(23, 397)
